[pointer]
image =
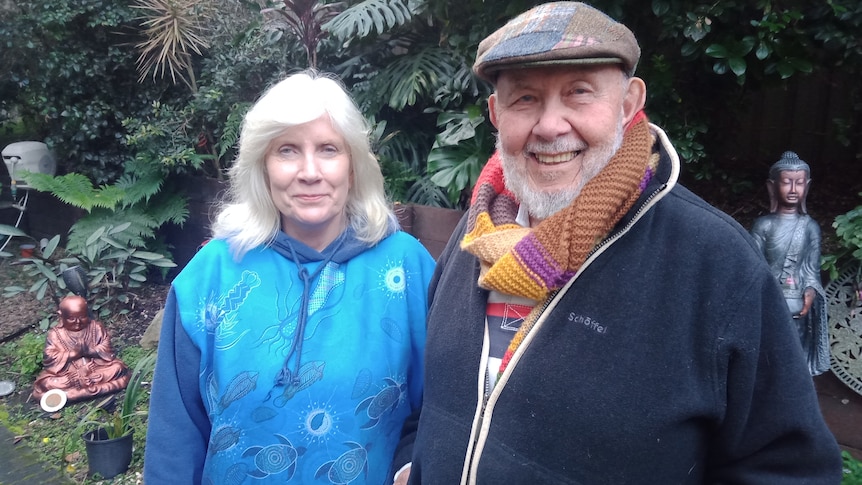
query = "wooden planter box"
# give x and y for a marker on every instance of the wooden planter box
(432, 226)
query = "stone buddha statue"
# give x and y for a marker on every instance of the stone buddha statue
(790, 241)
(78, 358)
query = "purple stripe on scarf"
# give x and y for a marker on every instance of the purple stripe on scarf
(532, 254)
(645, 181)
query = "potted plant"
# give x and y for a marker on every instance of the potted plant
(109, 443)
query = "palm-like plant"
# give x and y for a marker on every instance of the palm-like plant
(304, 18)
(407, 57)
(174, 31)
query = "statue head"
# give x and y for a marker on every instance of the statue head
(74, 313)
(789, 179)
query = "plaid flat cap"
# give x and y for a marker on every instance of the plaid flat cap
(557, 33)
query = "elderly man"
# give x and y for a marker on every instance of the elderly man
(594, 322)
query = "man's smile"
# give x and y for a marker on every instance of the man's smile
(551, 159)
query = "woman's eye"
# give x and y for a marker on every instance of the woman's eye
(330, 149)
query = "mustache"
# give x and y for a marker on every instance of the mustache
(559, 145)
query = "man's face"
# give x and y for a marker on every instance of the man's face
(558, 127)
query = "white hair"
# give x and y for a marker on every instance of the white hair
(248, 217)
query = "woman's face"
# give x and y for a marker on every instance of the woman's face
(308, 168)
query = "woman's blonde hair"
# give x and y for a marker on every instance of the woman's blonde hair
(248, 217)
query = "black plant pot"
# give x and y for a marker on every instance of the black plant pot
(107, 457)
(75, 278)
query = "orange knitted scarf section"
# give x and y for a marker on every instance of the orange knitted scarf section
(536, 262)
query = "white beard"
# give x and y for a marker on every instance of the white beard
(541, 204)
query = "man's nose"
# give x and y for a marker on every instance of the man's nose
(552, 122)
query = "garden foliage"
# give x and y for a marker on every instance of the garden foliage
(71, 76)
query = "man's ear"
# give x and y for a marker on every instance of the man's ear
(492, 110)
(634, 100)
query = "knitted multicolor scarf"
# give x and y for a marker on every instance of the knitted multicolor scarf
(536, 262)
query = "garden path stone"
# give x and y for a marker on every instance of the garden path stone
(19, 465)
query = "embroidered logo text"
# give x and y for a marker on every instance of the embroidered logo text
(588, 322)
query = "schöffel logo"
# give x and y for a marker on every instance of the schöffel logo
(588, 322)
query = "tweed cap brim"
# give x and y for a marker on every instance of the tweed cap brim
(558, 33)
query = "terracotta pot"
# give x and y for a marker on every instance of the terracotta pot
(27, 250)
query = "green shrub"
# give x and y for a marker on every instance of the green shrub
(848, 228)
(110, 265)
(26, 354)
(852, 470)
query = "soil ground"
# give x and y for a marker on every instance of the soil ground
(23, 311)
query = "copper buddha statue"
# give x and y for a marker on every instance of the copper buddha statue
(78, 357)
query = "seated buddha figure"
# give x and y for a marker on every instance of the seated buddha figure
(78, 358)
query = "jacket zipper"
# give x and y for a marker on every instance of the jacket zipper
(470, 479)
(616, 235)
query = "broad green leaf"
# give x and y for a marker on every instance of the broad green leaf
(688, 49)
(40, 293)
(45, 270)
(660, 7)
(96, 235)
(147, 255)
(737, 65)
(785, 69)
(7, 230)
(51, 246)
(370, 15)
(716, 50)
(122, 227)
(746, 44)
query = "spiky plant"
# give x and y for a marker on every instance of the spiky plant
(174, 31)
(119, 422)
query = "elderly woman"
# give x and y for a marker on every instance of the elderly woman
(291, 348)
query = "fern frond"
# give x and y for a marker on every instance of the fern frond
(76, 190)
(231, 128)
(360, 19)
(141, 187)
(168, 207)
